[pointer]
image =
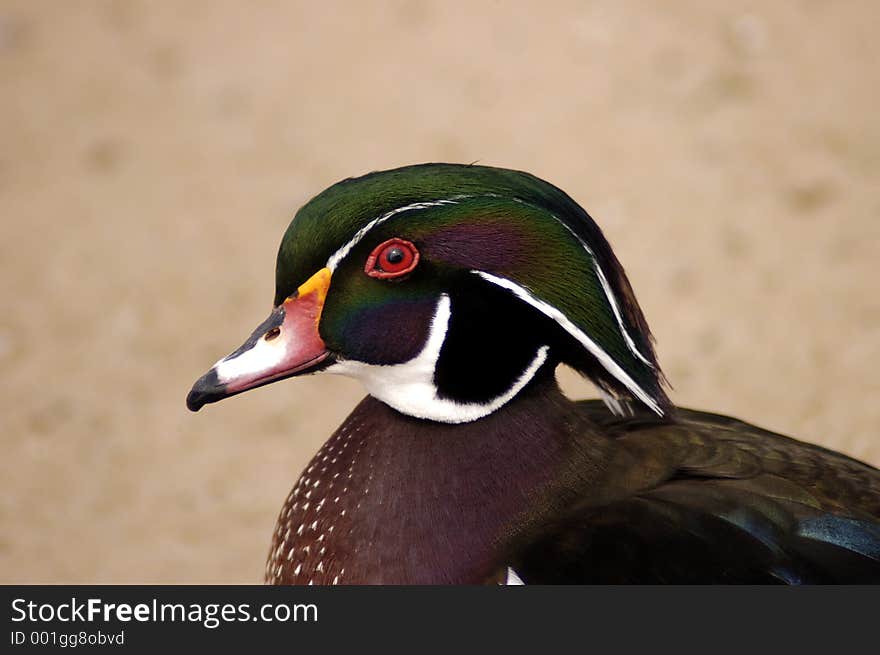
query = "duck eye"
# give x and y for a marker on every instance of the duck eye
(392, 258)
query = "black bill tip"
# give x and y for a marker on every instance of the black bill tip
(207, 389)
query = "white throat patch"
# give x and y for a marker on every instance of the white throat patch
(409, 387)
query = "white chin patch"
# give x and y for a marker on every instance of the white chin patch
(409, 387)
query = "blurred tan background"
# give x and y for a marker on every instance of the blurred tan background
(152, 153)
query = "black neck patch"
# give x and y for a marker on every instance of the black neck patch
(492, 338)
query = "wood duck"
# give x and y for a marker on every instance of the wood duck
(453, 292)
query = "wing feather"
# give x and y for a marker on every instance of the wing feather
(738, 504)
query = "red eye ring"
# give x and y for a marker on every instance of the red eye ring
(391, 259)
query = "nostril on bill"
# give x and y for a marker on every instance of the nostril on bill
(272, 334)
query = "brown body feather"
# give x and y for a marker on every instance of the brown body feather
(564, 492)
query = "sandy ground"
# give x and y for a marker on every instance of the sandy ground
(152, 153)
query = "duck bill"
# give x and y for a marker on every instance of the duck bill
(285, 344)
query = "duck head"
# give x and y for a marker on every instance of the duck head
(446, 289)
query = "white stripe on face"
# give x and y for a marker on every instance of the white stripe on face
(608, 294)
(613, 302)
(409, 387)
(340, 254)
(602, 280)
(552, 312)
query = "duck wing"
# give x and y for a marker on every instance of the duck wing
(703, 498)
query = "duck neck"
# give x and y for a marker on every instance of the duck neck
(392, 499)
